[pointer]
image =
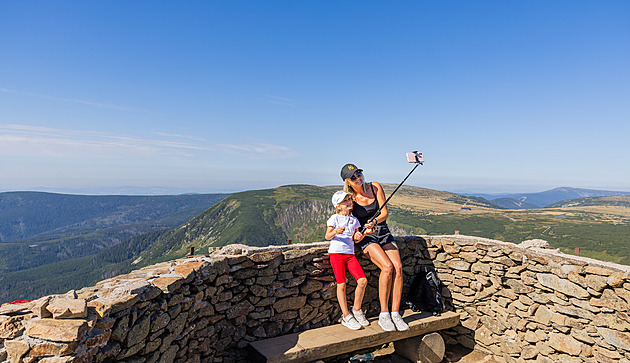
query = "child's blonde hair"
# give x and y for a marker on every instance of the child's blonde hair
(337, 210)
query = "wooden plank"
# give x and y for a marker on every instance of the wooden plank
(336, 339)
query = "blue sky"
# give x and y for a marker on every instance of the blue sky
(221, 96)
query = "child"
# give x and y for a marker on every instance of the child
(342, 232)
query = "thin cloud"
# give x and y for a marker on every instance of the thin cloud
(258, 150)
(281, 100)
(74, 100)
(180, 136)
(46, 141)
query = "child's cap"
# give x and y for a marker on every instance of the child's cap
(338, 197)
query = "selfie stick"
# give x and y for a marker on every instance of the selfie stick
(413, 157)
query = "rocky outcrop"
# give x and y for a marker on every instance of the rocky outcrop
(519, 304)
(297, 219)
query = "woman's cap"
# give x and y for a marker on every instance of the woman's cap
(348, 170)
(338, 197)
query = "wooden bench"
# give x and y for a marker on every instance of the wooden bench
(328, 341)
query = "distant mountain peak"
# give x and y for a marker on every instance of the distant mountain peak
(546, 198)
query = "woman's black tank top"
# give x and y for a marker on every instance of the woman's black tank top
(364, 213)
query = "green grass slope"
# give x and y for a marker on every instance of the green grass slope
(254, 218)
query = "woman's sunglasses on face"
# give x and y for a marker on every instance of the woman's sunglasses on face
(356, 176)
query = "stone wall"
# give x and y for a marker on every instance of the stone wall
(517, 303)
(530, 303)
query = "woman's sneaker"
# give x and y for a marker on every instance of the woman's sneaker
(360, 318)
(386, 323)
(399, 322)
(350, 322)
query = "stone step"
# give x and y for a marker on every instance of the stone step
(336, 339)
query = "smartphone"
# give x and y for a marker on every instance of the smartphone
(415, 157)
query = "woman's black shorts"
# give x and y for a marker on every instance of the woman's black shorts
(382, 236)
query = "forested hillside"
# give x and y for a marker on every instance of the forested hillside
(61, 229)
(34, 214)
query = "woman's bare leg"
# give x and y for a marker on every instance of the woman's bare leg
(376, 254)
(392, 253)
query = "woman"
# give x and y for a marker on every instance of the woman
(379, 246)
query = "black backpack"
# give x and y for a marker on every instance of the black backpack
(425, 293)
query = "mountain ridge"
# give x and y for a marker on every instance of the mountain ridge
(545, 198)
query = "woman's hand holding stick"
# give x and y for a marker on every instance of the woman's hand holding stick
(358, 236)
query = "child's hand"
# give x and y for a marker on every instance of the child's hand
(358, 236)
(339, 230)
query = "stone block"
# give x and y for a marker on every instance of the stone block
(97, 337)
(63, 330)
(12, 326)
(138, 332)
(544, 348)
(594, 270)
(265, 256)
(65, 308)
(584, 305)
(565, 344)
(596, 282)
(241, 309)
(529, 352)
(16, 349)
(615, 338)
(616, 279)
(113, 303)
(582, 336)
(563, 286)
(624, 294)
(495, 325)
(311, 286)
(44, 348)
(292, 303)
(458, 264)
(530, 337)
(168, 284)
(543, 315)
(9, 309)
(571, 311)
(38, 307)
(610, 300)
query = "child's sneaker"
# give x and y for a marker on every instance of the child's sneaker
(350, 322)
(399, 322)
(360, 318)
(386, 323)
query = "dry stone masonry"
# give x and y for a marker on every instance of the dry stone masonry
(520, 303)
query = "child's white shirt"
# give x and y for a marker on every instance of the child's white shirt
(342, 243)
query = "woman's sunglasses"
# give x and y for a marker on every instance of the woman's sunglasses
(356, 176)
